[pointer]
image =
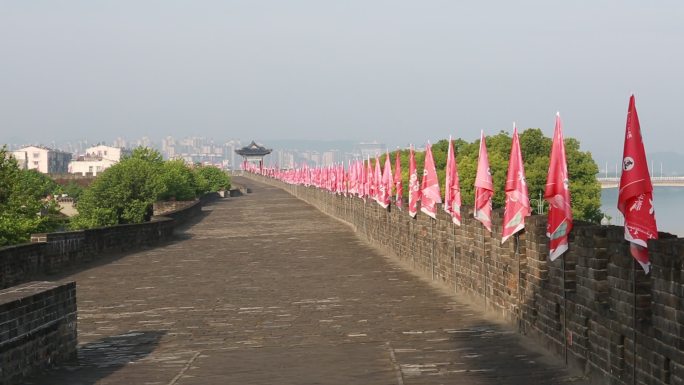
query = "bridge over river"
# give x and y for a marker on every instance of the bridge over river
(265, 289)
(665, 181)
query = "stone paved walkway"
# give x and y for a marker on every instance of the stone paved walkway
(267, 290)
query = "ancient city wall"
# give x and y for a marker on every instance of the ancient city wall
(52, 252)
(37, 327)
(582, 307)
(38, 319)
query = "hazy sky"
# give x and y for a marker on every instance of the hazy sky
(392, 71)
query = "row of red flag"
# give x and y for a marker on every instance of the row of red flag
(361, 179)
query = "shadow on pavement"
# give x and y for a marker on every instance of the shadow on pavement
(99, 359)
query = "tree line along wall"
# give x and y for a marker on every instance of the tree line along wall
(582, 306)
(50, 253)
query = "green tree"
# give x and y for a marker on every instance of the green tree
(72, 190)
(147, 154)
(211, 179)
(179, 181)
(9, 169)
(584, 188)
(25, 207)
(124, 193)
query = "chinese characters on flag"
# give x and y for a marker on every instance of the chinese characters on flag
(558, 195)
(429, 190)
(484, 187)
(414, 186)
(517, 199)
(452, 189)
(635, 198)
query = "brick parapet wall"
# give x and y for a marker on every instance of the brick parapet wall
(581, 306)
(38, 319)
(50, 253)
(37, 328)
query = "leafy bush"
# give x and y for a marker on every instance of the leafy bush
(126, 192)
(211, 179)
(536, 148)
(25, 207)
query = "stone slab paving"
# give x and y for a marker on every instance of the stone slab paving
(265, 289)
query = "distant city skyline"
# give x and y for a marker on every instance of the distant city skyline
(197, 149)
(397, 73)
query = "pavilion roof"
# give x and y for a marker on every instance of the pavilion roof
(253, 149)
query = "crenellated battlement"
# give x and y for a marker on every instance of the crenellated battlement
(589, 305)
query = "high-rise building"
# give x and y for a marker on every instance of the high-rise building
(43, 159)
(96, 159)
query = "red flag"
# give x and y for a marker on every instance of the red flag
(332, 178)
(341, 180)
(361, 179)
(351, 178)
(452, 189)
(448, 176)
(484, 187)
(635, 199)
(377, 180)
(517, 198)
(385, 190)
(414, 187)
(429, 189)
(369, 179)
(558, 195)
(398, 188)
(364, 180)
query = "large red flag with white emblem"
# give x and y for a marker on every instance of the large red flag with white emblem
(414, 185)
(377, 180)
(517, 199)
(365, 182)
(385, 189)
(558, 195)
(398, 188)
(429, 189)
(635, 199)
(452, 188)
(448, 177)
(370, 193)
(484, 187)
(351, 178)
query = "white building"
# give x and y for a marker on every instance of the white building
(21, 157)
(96, 159)
(105, 152)
(43, 159)
(89, 166)
(371, 149)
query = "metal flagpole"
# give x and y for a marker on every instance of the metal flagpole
(486, 267)
(453, 226)
(516, 247)
(432, 247)
(565, 312)
(415, 240)
(389, 226)
(365, 228)
(346, 212)
(634, 321)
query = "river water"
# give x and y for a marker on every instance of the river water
(669, 208)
